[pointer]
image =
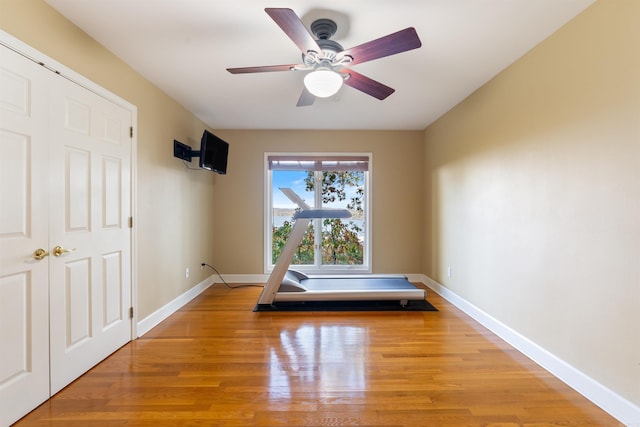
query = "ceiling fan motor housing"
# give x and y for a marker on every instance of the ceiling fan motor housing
(323, 28)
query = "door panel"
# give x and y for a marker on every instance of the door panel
(24, 291)
(14, 167)
(90, 199)
(77, 293)
(112, 289)
(77, 189)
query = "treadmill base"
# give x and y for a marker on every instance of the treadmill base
(345, 306)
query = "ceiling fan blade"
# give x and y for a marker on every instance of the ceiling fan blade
(391, 44)
(366, 85)
(306, 98)
(294, 28)
(263, 69)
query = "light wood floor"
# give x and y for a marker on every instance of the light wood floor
(217, 363)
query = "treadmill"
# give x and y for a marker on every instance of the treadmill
(286, 285)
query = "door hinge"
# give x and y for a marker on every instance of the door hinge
(130, 131)
(130, 312)
(130, 222)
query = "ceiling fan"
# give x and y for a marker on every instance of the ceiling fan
(327, 61)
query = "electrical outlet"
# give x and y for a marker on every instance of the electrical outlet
(449, 271)
(186, 272)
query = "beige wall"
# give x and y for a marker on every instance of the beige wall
(396, 198)
(533, 187)
(171, 208)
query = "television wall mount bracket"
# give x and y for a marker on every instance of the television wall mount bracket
(183, 151)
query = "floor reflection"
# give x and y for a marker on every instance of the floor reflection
(319, 359)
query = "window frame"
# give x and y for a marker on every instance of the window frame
(365, 267)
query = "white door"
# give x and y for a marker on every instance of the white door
(24, 281)
(65, 180)
(90, 237)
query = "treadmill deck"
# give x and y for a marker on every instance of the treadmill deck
(355, 283)
(353, 288)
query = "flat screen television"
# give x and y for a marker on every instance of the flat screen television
(213, 153)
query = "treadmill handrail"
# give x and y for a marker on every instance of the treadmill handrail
(286, 256)
(293, 196)
(322, 213)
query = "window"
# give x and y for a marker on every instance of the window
(322, 181)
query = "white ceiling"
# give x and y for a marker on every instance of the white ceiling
(185, 46)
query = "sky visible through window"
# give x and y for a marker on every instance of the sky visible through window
(293, 180)
(296, 181)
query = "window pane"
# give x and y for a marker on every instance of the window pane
(343, 239)
(282, 213)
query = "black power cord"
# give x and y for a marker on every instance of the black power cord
(223, 281)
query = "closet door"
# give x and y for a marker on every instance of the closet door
(65, 240)
(24, 277)
(90, 236)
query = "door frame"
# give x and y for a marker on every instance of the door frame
(54, 66)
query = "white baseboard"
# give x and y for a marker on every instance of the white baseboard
(617, 406)
(152, 320)
(415, 278)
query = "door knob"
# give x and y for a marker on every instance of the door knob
(39, 254)
(59, 250)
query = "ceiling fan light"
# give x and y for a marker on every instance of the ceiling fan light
(323, 82)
